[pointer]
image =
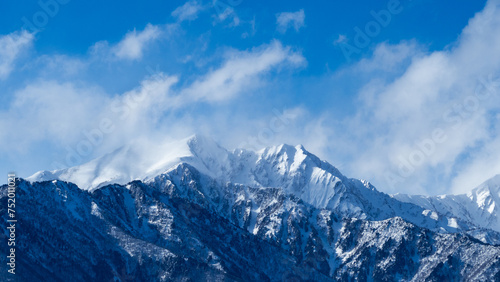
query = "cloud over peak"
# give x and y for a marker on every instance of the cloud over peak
(438, 110)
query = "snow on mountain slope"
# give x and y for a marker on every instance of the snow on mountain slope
(290, 168)
(243, 213)
(300, 173)
(179, 230)
(137, 161)
(480, 206)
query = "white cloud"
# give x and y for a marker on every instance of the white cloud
(59, 65)
(224, 11)
(60, 114)
(241, 72)
(49, 111)
(341, 39)
(11, 46)
(133, 44)
(482, 166)
(188, 11)
(387, 57)
(145, 103)
(399, 113)
(252, 31)
(288, 20)
(64, 115)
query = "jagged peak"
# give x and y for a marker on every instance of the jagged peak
(145, 159)
(291, 151)
(488, 187)
(201, 144)
(492, 183)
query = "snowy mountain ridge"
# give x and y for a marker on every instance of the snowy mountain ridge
(277, 166)
(291, 168)
(192, 210)
(480, 206)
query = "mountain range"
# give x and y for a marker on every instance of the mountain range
(191, 210)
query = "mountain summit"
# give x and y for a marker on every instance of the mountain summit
(291, 168)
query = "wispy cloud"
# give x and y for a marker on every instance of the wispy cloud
(49, 110)
(145, 110)
(132, 46)
(389, 58)
(225, 12)
(12, 45)
(288, 20)
(241, 71)
(189, 11)
(340, 39)
(432, 94)
(58, 65)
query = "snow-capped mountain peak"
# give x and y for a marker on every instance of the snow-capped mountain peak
(136, 161)
(277, 166)
(292, 169)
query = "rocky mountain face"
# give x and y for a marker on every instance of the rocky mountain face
(206, 214)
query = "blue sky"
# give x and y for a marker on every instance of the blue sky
(401, 93)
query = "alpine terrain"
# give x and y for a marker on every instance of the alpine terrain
(194, 211)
